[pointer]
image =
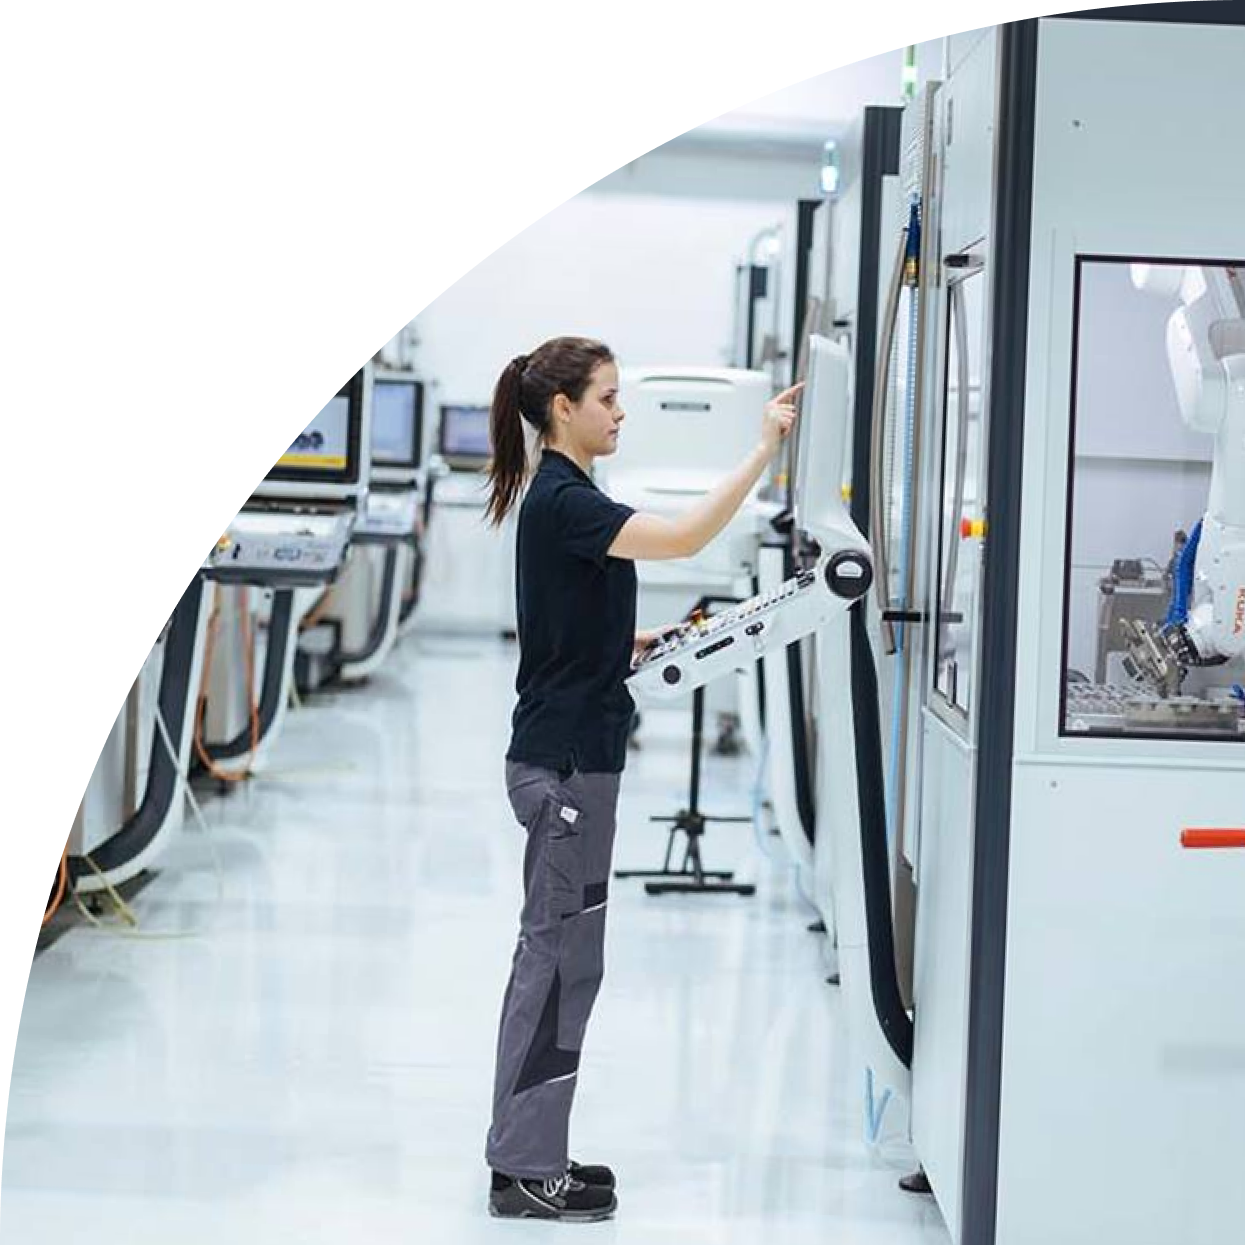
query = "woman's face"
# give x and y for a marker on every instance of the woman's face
(593, 422)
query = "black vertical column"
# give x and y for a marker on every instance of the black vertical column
(1011, 225)
(880, 158)
(806, 215)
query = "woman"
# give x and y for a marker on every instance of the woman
(576, 587)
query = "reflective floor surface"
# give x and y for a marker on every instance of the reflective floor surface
(299, 1047)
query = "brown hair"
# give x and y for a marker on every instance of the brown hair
(525, 391)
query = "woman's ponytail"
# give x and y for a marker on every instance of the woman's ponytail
(525, 392)
(507, 470)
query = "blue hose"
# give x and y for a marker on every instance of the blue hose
(1182, 589)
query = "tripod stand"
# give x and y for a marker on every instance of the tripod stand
(691, 878)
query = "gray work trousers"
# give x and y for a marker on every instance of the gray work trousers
(557, 966)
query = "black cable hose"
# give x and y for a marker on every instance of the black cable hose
(279, 635)
(380, 624)
(888, 1003)
(805, 803)
(799, 737)
(162, 779)
(761, 706)
(408, 605)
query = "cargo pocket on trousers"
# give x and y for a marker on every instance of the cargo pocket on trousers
(564, 858)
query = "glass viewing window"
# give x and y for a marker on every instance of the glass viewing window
(1154, 568)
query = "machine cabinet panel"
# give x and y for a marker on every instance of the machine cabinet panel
(941, 976)
(968, 102)
(1124, 1045)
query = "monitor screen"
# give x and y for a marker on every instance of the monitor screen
(326, 457)
(396, 409)
(324, 444)
(465, 434)
(823, 433)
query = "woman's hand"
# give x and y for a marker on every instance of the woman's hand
(651, 536)
(778, 419)
(645, 639)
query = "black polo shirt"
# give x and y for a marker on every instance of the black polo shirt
(576, 612)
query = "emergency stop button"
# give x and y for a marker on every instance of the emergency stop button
(972, 529)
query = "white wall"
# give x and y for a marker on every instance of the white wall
(653, 276)
(835, 98)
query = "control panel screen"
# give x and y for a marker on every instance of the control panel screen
(396, 422)
(465, 435)
(327, 453)
(822, 432)
(324, 444)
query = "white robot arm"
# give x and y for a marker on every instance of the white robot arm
(1206, 354)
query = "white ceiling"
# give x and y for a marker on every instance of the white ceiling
(785, 132)
(797, 120)
(831, 98)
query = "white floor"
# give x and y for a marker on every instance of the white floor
(309, 1057)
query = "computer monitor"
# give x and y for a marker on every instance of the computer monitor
(464, 440)
(326, 459)
(823, 435)
(397, 421)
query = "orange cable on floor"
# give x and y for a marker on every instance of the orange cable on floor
(62, 884)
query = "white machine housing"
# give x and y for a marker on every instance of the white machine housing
(389, 514)
(1075, 1032)
(685, 428)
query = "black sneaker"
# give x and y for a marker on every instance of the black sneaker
(564, 1198)
(593, 1174)
(586, 1173)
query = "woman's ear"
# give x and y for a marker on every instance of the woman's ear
(561, 408)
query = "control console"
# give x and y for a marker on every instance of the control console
(282, 548)
(703, 650)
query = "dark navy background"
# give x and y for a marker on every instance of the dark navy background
(283, 193)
